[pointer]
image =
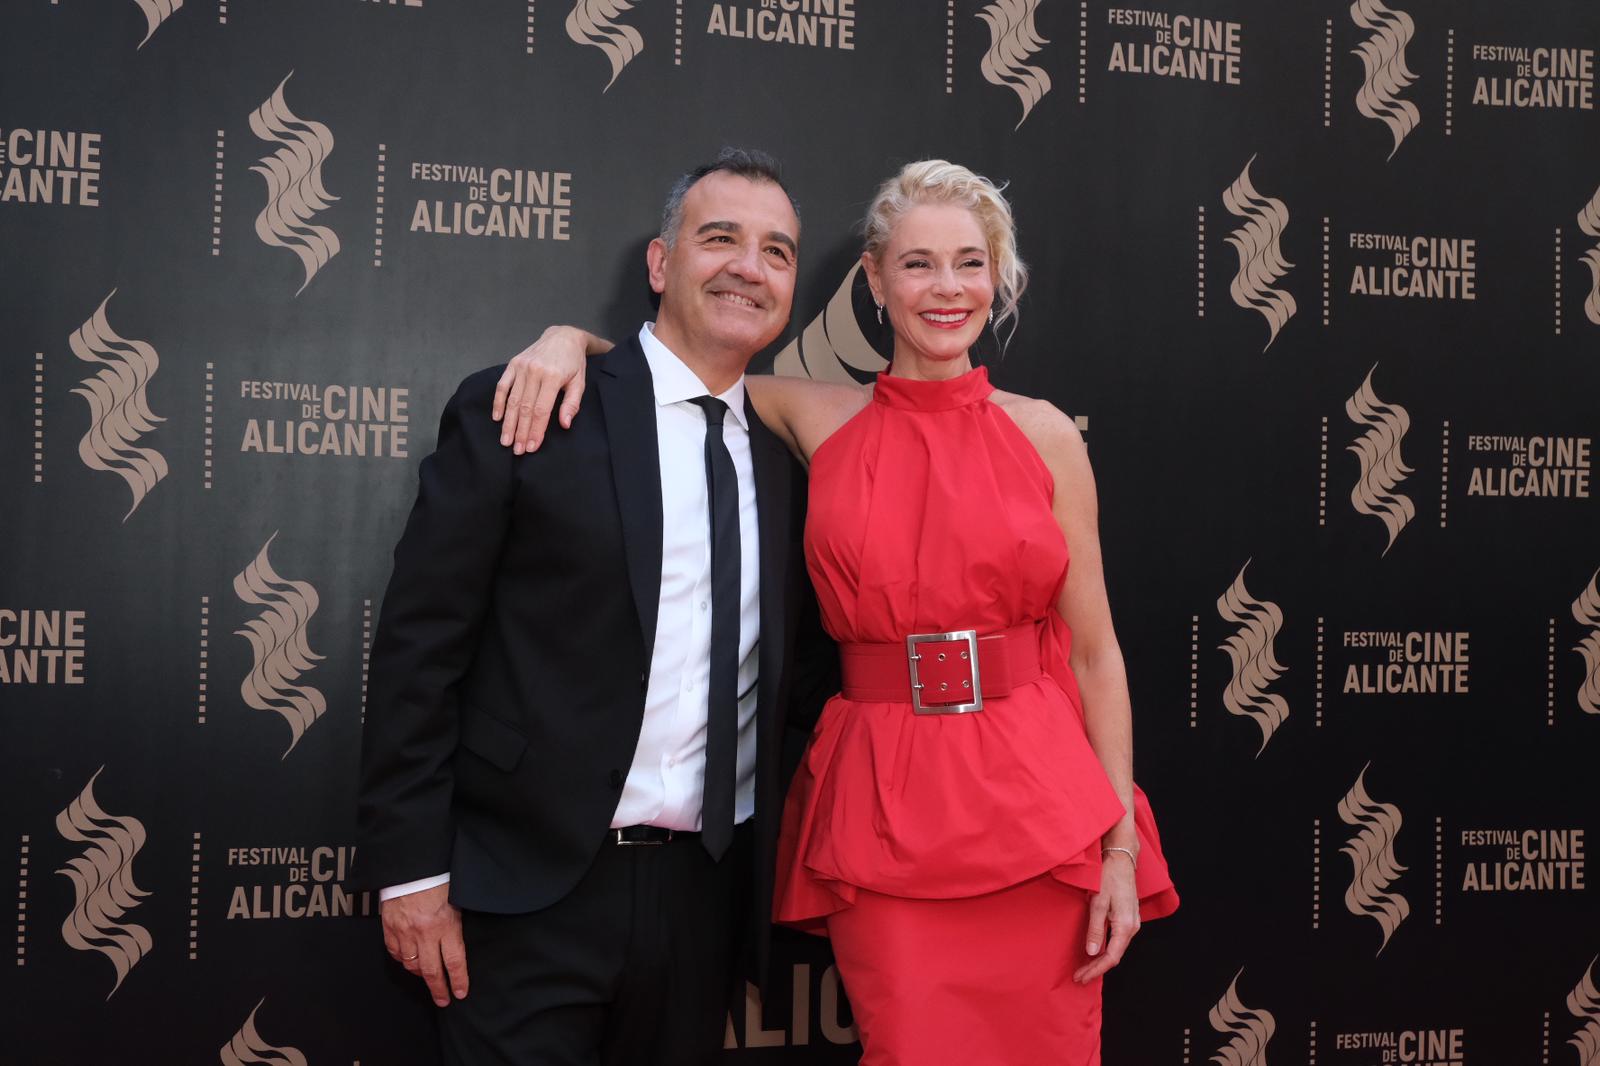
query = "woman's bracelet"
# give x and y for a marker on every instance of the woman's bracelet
(1126, 851)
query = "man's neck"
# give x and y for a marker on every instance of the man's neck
(716, 368)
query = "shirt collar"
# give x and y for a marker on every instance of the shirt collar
(674, 382)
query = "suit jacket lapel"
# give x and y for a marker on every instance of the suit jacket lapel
(627, 399)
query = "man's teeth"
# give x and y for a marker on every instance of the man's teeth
(953, 316)
(733, 297)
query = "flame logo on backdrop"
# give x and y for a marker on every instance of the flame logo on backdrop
(1251, 1029)
(1255, 666)
(1383, 55)
(247, 1048)
(1584, 1003)
(119, 409)
(833, 342)
(1012, 39)
(1261, 260)
(155, 13)
(1378, 449)
(1589, 222)
(102, 883)
(295, 192)
(1586, 609)
(1372, 860)
(590, 22)
(278, 642)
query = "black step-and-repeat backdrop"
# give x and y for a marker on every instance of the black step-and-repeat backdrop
(1319, 280)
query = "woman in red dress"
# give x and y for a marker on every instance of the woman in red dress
(977, 869)
(964, 826)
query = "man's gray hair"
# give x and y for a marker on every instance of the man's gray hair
(747, 163)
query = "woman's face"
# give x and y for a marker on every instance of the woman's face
(935, 279)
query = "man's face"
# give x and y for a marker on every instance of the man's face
(727, 283)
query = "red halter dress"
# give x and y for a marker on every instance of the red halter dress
(948, 856)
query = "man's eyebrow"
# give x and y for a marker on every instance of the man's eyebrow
(726, 226)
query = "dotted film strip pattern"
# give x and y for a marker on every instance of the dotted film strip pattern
(209, 435)
(366, 653)
(216, 184)
(205, 658)
(194, 898)
(1449, 82)
(1550, 675)
(949, 47)
(1327, 270)
(1320, 646)
(1194, 670)
(1327, 75)
(1438, 870)
(1322, 477)
(1083, 51)
(1444, 474)
(38, 418)
(22, 901)
(1316, 873)
(377, 208)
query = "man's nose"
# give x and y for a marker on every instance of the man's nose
(747, 263)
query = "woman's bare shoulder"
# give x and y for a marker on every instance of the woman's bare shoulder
(1054, 435)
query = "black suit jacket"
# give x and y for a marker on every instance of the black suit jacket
(509, 667)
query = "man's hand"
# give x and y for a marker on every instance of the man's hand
(1116, 905)
(423, 933)
(527, 390)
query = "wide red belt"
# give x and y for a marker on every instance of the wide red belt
(942, 673)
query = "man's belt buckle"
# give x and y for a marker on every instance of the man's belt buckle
(936, 679)
(630, 837)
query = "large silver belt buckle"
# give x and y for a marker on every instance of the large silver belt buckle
(913, 657)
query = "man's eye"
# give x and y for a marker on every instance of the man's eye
(780, 252)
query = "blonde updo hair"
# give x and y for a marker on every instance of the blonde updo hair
(938, 181)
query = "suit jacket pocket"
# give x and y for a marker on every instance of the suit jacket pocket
(492, 740)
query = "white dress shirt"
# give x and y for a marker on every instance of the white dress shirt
(666, 782)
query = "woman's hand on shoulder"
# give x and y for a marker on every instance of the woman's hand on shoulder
(526, 394)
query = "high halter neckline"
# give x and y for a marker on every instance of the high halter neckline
(916, 394)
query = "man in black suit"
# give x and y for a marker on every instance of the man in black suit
(570, 771)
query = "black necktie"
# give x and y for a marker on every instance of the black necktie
(722, 705)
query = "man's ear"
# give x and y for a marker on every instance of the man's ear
(655, 257)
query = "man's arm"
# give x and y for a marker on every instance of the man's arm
(427, 635)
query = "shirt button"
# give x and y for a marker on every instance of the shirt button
(671, 761)
(704, 605)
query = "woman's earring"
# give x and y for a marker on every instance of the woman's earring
(991, 314)
(880, 314)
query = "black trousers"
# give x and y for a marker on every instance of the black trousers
(634, 967)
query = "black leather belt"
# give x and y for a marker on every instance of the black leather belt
(648, 834)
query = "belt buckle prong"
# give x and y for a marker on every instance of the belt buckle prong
(971, 654)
